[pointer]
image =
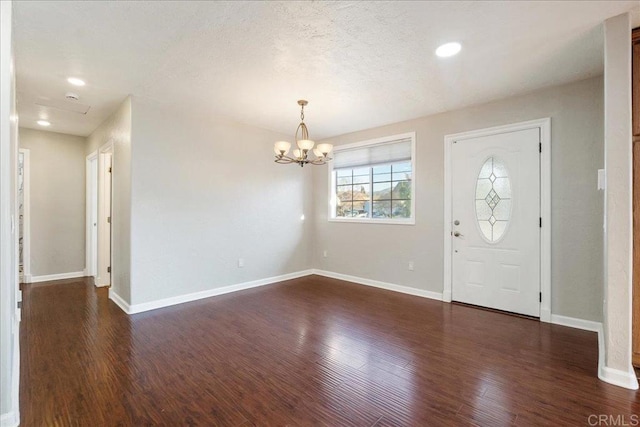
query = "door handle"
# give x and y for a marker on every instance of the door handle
(457, 234)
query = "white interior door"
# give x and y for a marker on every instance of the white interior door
(496, 221)
(104, 221)
(107, 211)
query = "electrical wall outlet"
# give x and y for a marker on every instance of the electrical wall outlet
(410, 265)
(324, 253)
(240, 262)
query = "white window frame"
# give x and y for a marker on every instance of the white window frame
(331, 196)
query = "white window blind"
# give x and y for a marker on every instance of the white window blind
(395, 151)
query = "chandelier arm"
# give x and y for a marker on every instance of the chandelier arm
(285, 160)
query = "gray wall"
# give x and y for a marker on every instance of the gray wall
(382, 252)
(204, 194)
(57, 197)
(117, 130)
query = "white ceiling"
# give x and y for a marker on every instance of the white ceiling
(360, 64)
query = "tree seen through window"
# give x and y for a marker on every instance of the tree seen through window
(382, 191)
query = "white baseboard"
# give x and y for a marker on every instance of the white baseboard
(166, 302)
(572, 322)
(619, 378)
(10, 419)
(545, 315)
(120, 302)
(381, 285)
(612, 376)
(26, 278)
(59, 276)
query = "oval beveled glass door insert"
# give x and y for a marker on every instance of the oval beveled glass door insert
(493, 199)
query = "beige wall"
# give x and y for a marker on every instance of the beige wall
(205, 194)
(57, 197)
(618, 243)
(382, 252)
(117, 131)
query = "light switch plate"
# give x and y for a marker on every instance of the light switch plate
(602, 181)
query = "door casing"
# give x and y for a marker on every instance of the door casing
(91, 240)
(544, 125)
(105, 159)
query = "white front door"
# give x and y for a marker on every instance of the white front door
(496, 221)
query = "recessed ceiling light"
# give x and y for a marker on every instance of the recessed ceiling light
(76, 81)
(43, 123)
(448, 49)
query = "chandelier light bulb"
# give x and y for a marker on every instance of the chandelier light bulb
(305, 144)
(281, 147)
(325, 148)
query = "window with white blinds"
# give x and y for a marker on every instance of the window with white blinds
(372, 181)
(393, 151)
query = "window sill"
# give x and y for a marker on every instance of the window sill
(410, 221)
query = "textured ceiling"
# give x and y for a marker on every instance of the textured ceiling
(360, 64)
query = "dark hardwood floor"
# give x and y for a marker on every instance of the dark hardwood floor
(310, 351)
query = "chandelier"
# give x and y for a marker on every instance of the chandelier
(301, 154)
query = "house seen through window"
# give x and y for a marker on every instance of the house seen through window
(372, 181)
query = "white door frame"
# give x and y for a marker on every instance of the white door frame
(91, 192)
(105, 254)
(26, 221)
(545, 205)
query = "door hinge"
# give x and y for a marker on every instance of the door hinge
(109, 169)
(108, 269)
(540, 146)
(540, 222)
(109, 219)
(540, 296)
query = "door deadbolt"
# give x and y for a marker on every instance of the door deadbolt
(456, 222)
